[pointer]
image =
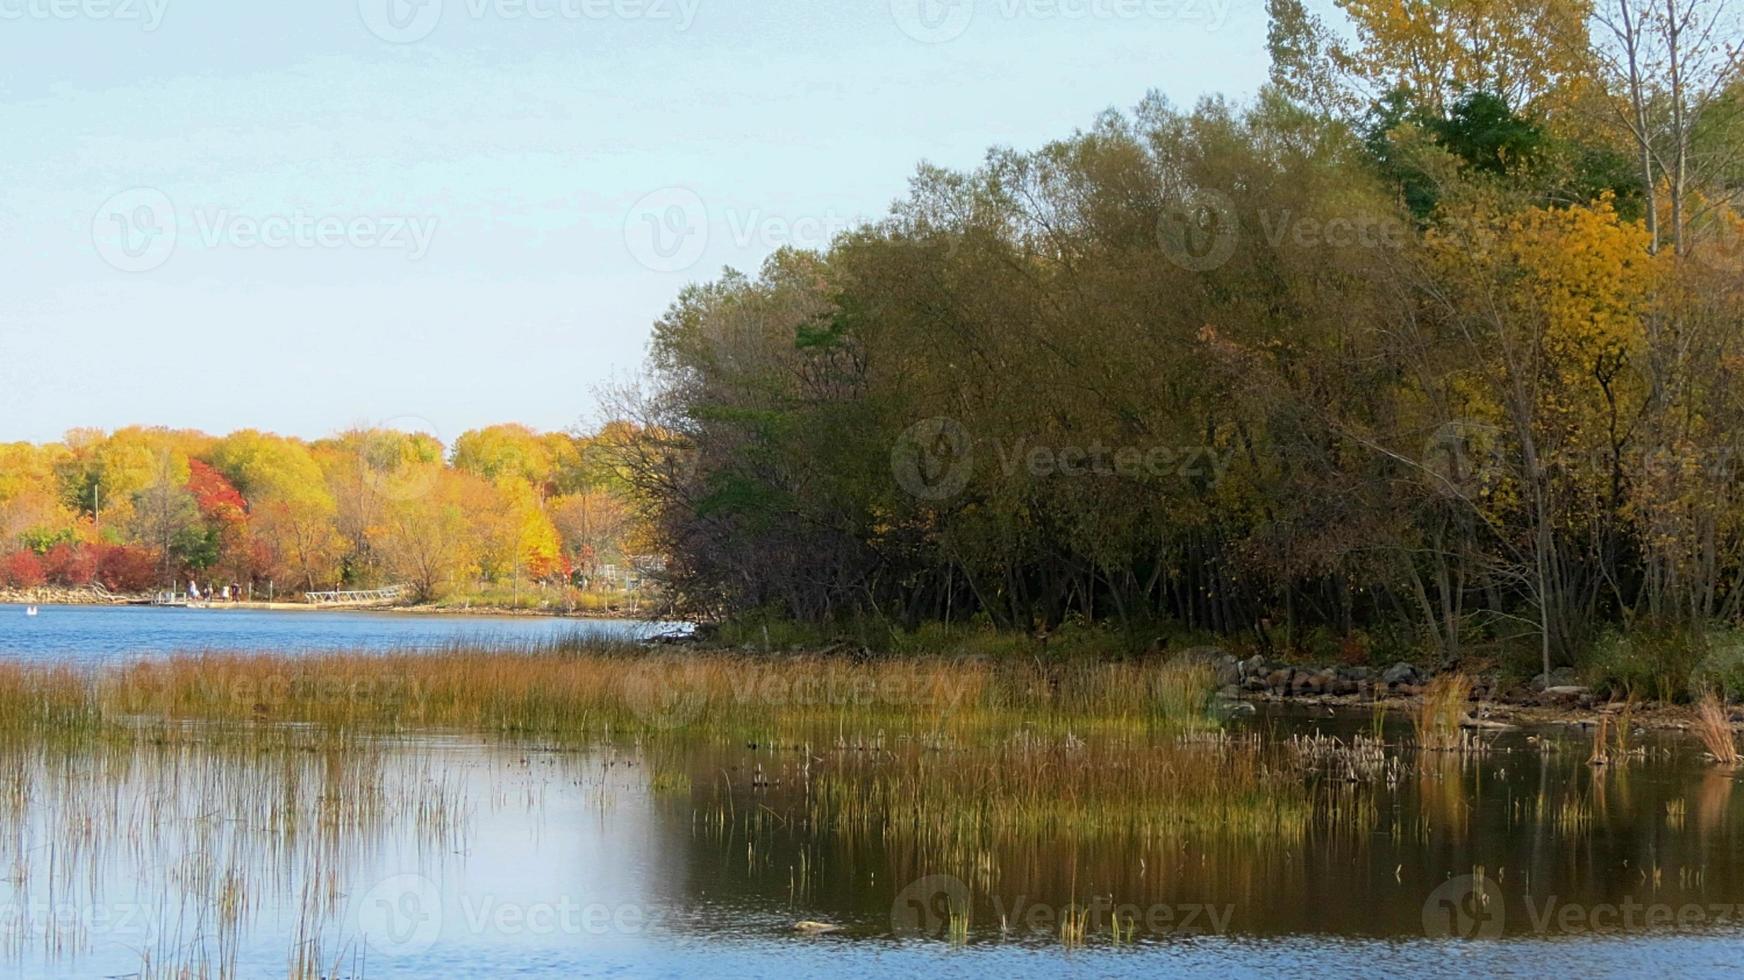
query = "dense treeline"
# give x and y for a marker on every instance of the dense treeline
(143, 508)
(1439, 340)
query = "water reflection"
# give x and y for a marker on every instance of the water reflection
(276, 850)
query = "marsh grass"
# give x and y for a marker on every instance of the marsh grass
(204, 834)
(1601, 754)
(1715, 730)
(590, 691)
(954, 810)
(1437, 719)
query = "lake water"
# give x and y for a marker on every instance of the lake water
(456, 857)
(101, 634)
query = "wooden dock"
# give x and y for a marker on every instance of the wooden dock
(365, 597)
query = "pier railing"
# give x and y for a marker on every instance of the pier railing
(356, 597)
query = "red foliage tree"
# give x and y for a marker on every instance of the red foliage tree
(70, 565)
(124, 569)
(22, 570)
(217, 497)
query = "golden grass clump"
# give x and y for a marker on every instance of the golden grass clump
(1437, 721)
(1026, 791)
(1715, 730)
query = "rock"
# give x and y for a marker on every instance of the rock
(1279, 680)
(1228, 670)
(1253, 666)
(1560, 677)
(1567, 692)
(1402, 673)
(815, 928)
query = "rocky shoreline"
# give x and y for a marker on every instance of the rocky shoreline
(1494, 704)
(57, 596)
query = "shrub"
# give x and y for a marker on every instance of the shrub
(22, 570)
(1722, 670)
(123, 569)
(1651, 663)
(70, 565)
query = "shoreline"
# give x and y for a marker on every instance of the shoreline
(1492, 705)
(73, 599)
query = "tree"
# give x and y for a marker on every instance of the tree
(293, 513)
(1673, 71)
(165, 516)
(431, 540)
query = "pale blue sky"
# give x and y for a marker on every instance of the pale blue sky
(465, 220)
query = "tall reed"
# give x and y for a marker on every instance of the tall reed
(1437, 719)
(1715, 730)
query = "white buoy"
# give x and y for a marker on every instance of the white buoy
(30, 610)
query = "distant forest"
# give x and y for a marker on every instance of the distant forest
(145, 508)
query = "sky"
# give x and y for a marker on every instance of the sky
(442, 214)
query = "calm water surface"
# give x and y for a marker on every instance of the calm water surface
(101, 634)
(454, 857)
